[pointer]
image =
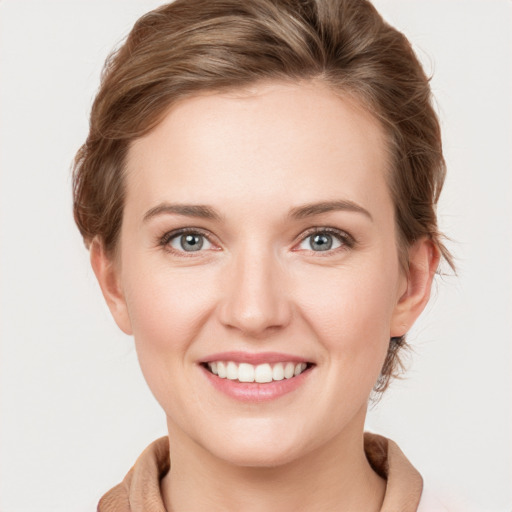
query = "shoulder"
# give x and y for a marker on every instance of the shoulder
(140, 489)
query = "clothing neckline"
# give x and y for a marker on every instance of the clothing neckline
(140, 489)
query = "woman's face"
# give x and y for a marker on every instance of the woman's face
(259, 234)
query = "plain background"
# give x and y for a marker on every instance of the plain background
(75, 410)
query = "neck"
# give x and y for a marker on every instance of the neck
(336, 476)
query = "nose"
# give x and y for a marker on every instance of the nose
(255, 301)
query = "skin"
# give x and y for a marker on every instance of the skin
(257, 285)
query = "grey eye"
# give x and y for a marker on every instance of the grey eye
(190, 242)
(321, 242)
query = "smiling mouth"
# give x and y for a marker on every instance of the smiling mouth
(261, 373)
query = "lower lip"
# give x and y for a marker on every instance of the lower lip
(254, 391)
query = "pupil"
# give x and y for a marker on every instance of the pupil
(191, 242)
(322, 242)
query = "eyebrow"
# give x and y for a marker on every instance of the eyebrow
(309, 210)
(299, 212)
(189, 210)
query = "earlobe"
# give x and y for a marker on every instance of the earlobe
(107, 274)
(423, 261)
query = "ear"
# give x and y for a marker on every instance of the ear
(423, 261)
(108, 275)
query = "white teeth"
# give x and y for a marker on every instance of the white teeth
(245, 372)
(288, 370)
(231, 371)
(278, 372)
(262, 373)
(221, 369)
(299, 368)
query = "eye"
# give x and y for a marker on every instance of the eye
(326, 240)
(186, 241)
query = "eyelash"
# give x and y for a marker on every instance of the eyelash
(347, 240)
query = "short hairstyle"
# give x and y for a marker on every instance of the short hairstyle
(191, 46)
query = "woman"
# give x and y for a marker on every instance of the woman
(258, 193)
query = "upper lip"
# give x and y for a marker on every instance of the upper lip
(254, 358)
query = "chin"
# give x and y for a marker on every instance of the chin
(257, 456)
(258, 447)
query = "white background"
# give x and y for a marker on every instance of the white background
(75, 411)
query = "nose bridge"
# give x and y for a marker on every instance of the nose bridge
(255, 297)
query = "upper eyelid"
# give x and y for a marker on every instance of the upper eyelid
(325, 229)
(169, 235)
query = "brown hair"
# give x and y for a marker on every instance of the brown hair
(191, 46)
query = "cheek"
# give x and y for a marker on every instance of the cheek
(350, 310)
(167, 308)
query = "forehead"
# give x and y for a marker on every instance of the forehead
(269, 144)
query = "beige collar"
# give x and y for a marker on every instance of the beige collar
(140, 489)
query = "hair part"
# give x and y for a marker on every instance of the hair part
(192, 46)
